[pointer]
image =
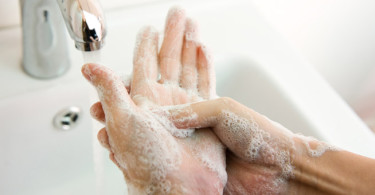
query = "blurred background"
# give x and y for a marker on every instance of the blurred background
(335, 36)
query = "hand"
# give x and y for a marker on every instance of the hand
(201, 156)
(266, 158)
(186, 69)
(261, 151)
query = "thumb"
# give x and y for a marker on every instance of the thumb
(112, 92)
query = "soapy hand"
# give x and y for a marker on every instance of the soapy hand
(263, 157)
(140, 140)
(261, 151)
(153, 161)
(187, 76)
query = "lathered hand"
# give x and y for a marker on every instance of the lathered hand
(141, 142)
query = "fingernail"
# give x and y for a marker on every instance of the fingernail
(93, 112)
(86, 71)
(191, 31)
(176, 10)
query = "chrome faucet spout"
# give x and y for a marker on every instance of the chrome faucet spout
(85, 22)
(45, 50)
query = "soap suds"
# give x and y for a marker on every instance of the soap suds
(173, 23)
(149, 161)
(190, 75)
(149, 36)
(248, 141)
(208, 149)
(182, 113)
(191, 31)
(174, 14)
(314, 147)
(203, 144)
(243, 136)
(206, 74)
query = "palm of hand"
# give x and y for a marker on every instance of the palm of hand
(162, 163)
(203, 150)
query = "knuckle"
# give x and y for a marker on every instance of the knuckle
(226, 102)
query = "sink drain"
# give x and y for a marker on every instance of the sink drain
(67, 118)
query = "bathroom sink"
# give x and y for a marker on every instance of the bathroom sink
(301, 101)
(246, 81)
(35, 154)
(253, 64)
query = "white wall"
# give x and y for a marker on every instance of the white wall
(336, 36)
(9, 13)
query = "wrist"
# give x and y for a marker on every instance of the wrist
(311, 173)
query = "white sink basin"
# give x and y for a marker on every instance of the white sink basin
(300, 100)
(249, 83)
(39, 159)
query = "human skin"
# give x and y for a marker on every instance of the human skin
(181, 58)
(334, 172)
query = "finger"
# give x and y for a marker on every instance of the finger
(103, 139)
(113, 159)
(126, 80)
(206, 74)
(170, 52)
(189, 56)
(244, 131)
(197, 115)
(97, 112)
(145, 61)
(210, 113)
(128, 88)
(111, 91)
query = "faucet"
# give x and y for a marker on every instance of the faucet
(45, 49)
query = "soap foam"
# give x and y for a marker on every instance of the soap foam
(167, 124)
(244, 137)
(109, 89)
(251, 143)
(155, 141)
(148, 153)
(207, 55)
(248, 141)
(175, 15)
(208, 149)
(137, 160)
(203, 144)
(314, 147)
(149, 36)
(191, 31)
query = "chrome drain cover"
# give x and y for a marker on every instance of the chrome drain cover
(67, 118)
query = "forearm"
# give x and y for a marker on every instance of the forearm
(262, 150)
(334, 172)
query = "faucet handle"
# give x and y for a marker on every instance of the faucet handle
(45, 52)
